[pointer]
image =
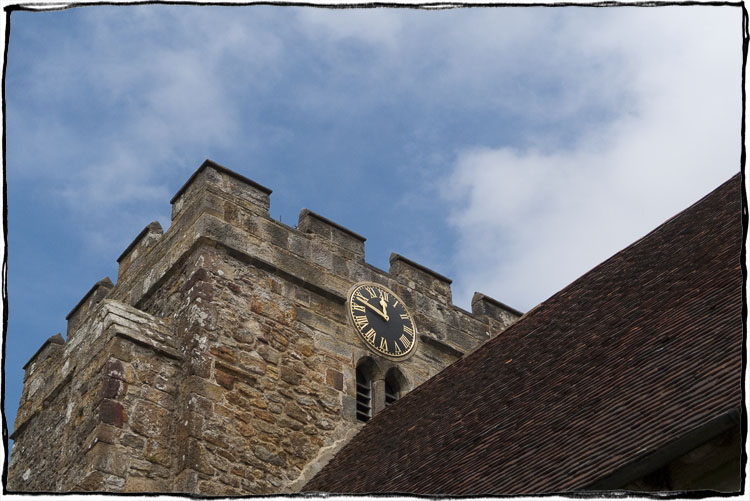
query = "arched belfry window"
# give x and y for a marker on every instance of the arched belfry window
(364, 392)
(394, 386)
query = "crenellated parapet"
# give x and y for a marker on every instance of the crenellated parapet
(142, 244)
(212, 185)
(225, 349)
(79, 312)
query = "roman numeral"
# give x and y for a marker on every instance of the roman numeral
(397, 348)
(371, 290)
(405, 341)
(370, 336)
(409, 330)
(359, 297)
(360, 321)
(404, 316)
(384, 295)
(383, 344)
(358, 307)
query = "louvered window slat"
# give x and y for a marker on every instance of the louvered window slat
(364, 400)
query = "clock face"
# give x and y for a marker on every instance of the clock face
(382, 320)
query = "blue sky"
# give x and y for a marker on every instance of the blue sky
(511, 149)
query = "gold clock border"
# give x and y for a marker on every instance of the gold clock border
(375, 350)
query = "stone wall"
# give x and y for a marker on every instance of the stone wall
(230, 368)
(81, 425)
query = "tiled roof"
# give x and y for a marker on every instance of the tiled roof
(635, 354)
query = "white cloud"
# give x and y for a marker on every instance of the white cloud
(533, 220)
(172, 77)
(185, 85)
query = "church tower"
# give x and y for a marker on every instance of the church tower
(235, 354)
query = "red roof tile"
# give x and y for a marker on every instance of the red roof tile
(635, 354)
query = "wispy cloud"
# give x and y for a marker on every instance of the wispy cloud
(528, 101)
(536, 218)
(139, 104)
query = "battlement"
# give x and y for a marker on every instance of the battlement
(49, 348)
(340, 239)
(221, 207)
(139, 246)
(415, 273)
(225, 183)
(225, 301)
(98, 292)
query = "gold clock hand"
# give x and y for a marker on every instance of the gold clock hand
(384, 305)
(367, 303)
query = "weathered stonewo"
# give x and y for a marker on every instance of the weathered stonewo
(223, 361)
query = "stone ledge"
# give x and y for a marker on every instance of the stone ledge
(150, 344)
(118, 316)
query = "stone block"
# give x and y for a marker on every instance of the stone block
(196, 457)
(92, 482)
(203, 387)
(108, 458)
(149, 420)
(294, 411)
(121, 349)
(225, 353)
(224, 379)
(143, 484)
(158, 452)
(117, 369)
(111, 387)
(107, 433)
(274, 232)
(186, 481)
(290, 375)
(133, 441)
(335, 379)
(264, 454)
(269, 354)
(111, 412)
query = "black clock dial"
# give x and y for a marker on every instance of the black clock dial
(382, 320)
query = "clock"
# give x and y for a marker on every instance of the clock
(382, 320)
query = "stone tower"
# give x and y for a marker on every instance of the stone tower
(223, 361)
